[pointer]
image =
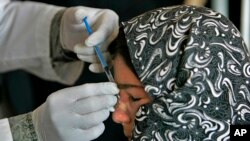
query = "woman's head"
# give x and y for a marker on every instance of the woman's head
(132, 94)
(192, 63)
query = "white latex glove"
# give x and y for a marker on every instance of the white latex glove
(74, 36)
(76, 113)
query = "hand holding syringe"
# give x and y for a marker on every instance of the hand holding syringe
(100, 57)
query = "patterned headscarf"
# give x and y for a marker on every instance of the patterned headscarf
(194, 63)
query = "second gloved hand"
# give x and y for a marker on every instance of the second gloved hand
(76, 113)
(74, 36)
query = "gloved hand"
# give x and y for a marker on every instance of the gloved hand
(74, 36)
(76, 113)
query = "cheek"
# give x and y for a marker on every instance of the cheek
(135, 107)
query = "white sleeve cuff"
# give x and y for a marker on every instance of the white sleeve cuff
(5, 132)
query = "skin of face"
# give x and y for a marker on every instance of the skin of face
(132, 96)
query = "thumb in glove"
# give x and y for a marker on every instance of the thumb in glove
(76, 113)
(74, 37)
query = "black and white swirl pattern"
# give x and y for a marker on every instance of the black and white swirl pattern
(193, 63)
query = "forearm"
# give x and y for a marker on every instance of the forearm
(25, 42)
(63, 61)
(5, 132)
(25, 38)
